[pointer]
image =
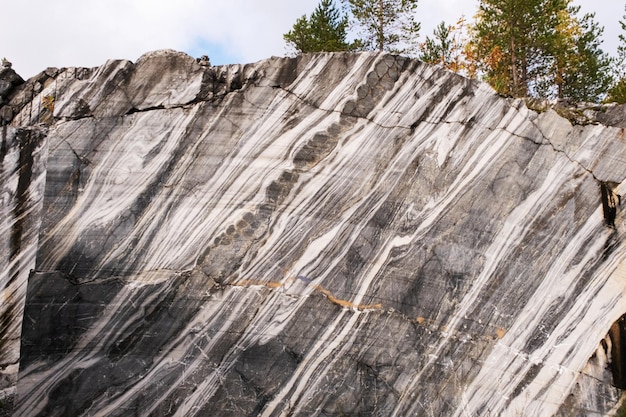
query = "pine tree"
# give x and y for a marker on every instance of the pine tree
(509, 38)
(325, 30)
(447, 48)
(540, 48)
(438, 50)
(557, 55)
(587, 75)
(386, 25)
(574, 65)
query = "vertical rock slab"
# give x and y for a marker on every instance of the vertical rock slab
(22, 179)
(332, 234)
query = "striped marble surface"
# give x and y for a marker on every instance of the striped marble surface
(333, 234)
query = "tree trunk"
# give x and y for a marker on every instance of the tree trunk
(524, 80)
(514, 79)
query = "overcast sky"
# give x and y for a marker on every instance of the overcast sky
(35, 34)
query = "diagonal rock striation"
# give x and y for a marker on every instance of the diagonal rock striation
(332, 234)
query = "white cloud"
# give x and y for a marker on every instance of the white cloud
(35, 34)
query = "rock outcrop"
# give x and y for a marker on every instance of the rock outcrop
(326, 235)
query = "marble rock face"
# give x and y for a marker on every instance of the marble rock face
(327, 235)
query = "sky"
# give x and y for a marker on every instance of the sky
(36, 34)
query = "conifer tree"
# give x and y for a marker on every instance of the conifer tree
(508, 40)
(447, 48)
(324, 31)
(540, 48)
(438, 49)
(586, 76)
(574, 65)
(386, 25)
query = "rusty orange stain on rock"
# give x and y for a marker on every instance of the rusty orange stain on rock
(500, 332)
(346, 303)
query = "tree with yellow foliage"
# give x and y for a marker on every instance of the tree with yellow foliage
(585, 73)
(447, 48)
(506, 39)
(539, 48)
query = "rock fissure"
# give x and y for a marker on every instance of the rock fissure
(610, 200)
(562, 151)
(547, 142)
(617, 354)
(410, 128)
(339, 112)
(81, 159)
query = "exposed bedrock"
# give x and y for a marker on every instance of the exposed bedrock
(22, 176)
(327, 235)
